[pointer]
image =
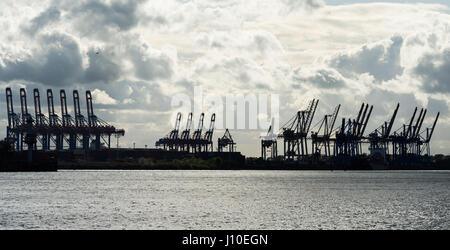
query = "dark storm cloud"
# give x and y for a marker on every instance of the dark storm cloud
(57, 63)
(44, 18)
(101, 67)
(434, 71)
(382, 62)
(95, 17)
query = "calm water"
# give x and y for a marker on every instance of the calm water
(225, 200)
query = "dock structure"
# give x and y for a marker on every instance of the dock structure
(37, 130)
(379, 139)
(53, 132)
(295, 131)
(195, 143)
(320, 139)
(184, 143)
(410, 143)
(349, 137)
(226, 142)
(169, 142)
(269, 144)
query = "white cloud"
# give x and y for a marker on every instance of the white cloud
(327, 78)
(101, 97)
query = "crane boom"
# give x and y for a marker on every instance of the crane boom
(391, 123)
(333, 118)
(23, 105)
(37, 107)
(365, 123)
(432, 128)
(420, 124)
(410, 122)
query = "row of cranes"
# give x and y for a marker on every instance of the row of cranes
(295, 131)
(197, 141)
(53, 131)
(349, 137)
(60, 132)
(294, 134)
(410, 141)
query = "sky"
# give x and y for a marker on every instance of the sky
(135, 55)
(339, 2)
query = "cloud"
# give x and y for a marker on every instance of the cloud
(327, 78)
(381, 60)
(150, 64)
(44, 18)
(303, 4)
(139, 95)
(254, 43)
(437, 105)
(136, 55)
(101, 67)
(434, 71)
(104, 17)
(187, 16)
(101, 97)
(222, 73)
(57, 62)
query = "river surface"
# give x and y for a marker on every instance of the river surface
(225, 200)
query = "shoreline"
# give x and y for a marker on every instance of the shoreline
(163, 160)
(246, 167)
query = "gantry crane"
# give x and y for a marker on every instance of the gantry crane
(295, 132)
(171, 140)
(269, 144)
(207, 141)
(185, 135)
(428, 134)
(321, 138)
(379, 139)
(348, 140)
(405, 140)
(52, 129)
(196, 140)
(226, 141)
